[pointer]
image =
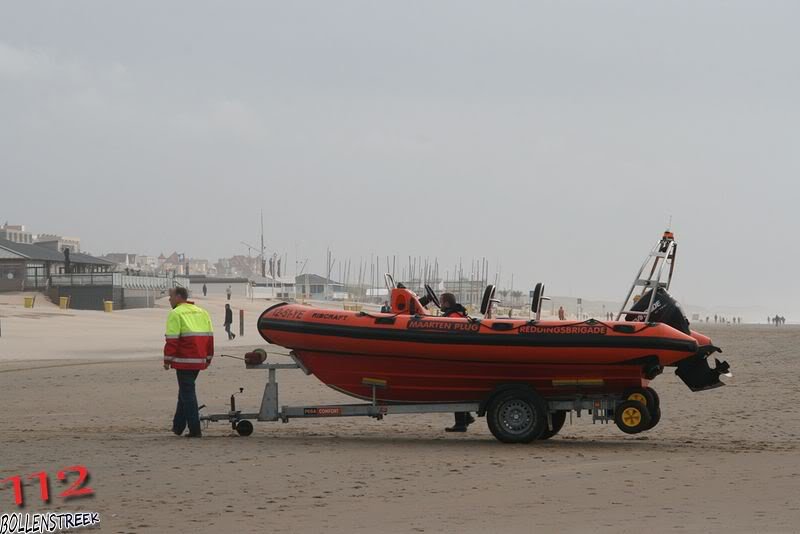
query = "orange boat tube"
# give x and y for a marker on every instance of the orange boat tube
(423, 358)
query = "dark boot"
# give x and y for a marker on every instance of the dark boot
(463, 420)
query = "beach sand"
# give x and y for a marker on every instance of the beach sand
(80, 387)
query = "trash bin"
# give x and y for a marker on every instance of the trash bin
(63, 302)
(29, 302)
(108, 306)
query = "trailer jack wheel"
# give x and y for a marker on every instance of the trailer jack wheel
(244, 427)
(632, 417)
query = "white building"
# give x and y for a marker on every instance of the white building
(58, 242)
(16, 233)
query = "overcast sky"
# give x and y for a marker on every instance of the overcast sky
(553, 138)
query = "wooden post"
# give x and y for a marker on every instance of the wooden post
(241, 322)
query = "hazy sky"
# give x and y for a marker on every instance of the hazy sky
(556, 138)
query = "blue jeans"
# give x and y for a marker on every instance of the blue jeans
(186, 412)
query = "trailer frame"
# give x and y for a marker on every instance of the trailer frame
(600, 407)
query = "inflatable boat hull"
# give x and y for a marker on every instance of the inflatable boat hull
(437, 359)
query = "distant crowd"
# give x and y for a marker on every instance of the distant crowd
(719, 319)
(778, 320)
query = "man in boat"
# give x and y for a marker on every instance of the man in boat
(451, 308)
(188, 349)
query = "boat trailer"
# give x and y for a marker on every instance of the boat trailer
(602, 408)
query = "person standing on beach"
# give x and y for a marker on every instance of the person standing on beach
(188, 349)
(229, 321)
(228, 292)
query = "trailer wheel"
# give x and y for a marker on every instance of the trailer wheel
(517, 416)
(632, 417)
(655, 416)
(557, 418)
(646, 396)
(655, 396)
(244, 427)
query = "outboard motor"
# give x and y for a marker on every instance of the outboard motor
(698, 375)
(694, 371)
(665, 310)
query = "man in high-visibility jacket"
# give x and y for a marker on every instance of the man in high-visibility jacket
(188, 349)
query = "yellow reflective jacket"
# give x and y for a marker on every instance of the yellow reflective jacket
(189, 338)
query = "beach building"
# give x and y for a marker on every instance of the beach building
(316, 287)
(87, 280)
(274, 287)
(29, 266)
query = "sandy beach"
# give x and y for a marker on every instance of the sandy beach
(82, 387)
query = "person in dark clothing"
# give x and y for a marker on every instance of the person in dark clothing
(386, 308)
(229, 321)
(205, 290)
(451, 308)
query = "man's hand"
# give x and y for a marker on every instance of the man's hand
(166, 367)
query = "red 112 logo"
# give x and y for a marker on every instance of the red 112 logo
(78, 487)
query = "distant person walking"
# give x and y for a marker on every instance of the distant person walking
(229, 321)
(188, 349)
(561, 313)
(205, 290)
(228, 292)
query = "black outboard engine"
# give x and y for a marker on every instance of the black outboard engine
(698, 375)
(665, 310)
(694, 370)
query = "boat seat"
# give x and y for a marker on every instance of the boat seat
(405, 302)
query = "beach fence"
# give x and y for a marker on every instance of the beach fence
(91, 291)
